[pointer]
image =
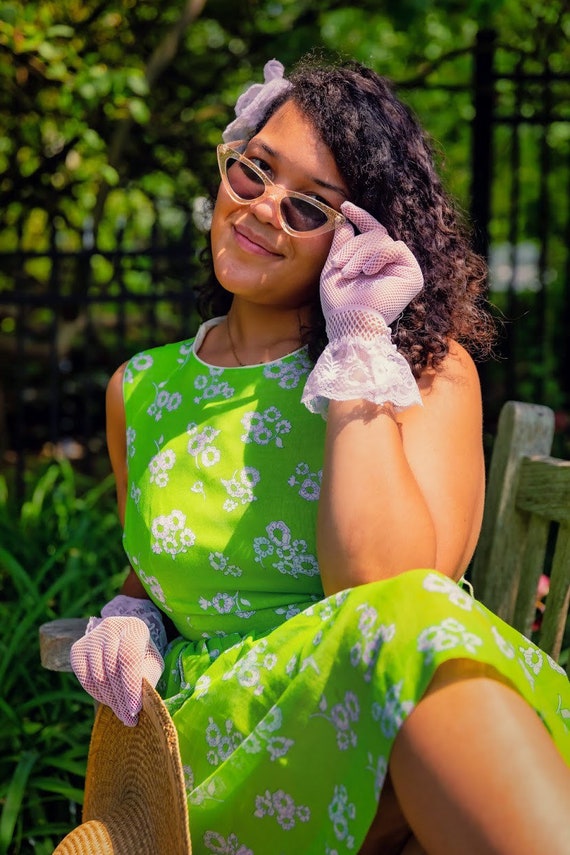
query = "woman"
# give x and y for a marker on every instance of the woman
(328, 695)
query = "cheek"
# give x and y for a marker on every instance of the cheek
(217, 217)
(319, 250)
(311, 260)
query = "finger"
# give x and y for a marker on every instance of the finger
(363, 221)
(385, 253)
(153, 665)
(366, 253)
(127, 682)
(343, 234)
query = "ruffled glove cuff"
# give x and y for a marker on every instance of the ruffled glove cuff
(145, 610)
(361, 366)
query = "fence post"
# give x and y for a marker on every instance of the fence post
(482, 137)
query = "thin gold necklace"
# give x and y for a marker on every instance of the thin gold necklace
(232, 345)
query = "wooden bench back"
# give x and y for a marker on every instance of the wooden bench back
(526, 526)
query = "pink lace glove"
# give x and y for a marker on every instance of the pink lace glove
(367, 281)
(117, 651)
(252, 105)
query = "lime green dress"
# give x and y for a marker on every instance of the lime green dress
(286, 703)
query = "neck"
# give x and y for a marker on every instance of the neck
(259, 336)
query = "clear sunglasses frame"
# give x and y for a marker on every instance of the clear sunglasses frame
(230, 151)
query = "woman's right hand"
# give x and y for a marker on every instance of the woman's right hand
(111, 660)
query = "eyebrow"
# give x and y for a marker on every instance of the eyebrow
(318, 181)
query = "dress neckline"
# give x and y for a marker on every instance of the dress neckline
(204, 329)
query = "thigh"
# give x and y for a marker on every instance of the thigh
(390, 833)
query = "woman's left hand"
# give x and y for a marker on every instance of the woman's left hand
(366, 273)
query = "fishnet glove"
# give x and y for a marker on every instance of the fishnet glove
(367, 281)
(117, 651)
(252, 105)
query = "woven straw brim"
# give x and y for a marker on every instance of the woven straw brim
(135, 800)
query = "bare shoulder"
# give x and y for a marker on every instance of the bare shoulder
(115, 408)
(457, 368)
(451, 392)
(116, 435)
(116, 380)
(114, 395)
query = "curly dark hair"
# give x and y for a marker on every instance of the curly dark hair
(387, 162)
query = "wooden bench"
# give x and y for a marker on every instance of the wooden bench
(526, 532)
(526, 526)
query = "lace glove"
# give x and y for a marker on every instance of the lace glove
(252, 105)
(117, 651)
(367, 281)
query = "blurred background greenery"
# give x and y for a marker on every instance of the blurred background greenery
(109, 117)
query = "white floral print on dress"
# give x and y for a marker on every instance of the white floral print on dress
(341, 811)
(222, 743)
(248, 670)
(211, 386)
(201, 444)
(170, 533)
(533, 658)
(374, 636)
(240, 487)
(293, 558)
(140, 362)
(163, 401)
(309, 483)
(342, 716)
(380, 769)
(392, 714)
(224, 603)
(185, 350)
(131, 437)
(159, 466)
(289, 374)
(266, 427)
(220, 845)
(447, 586)
(445, 636)
(506, 649)
(281, 807)
(219, 561)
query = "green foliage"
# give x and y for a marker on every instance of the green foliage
(98, 95)
(60, 556)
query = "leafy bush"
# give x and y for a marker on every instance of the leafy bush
(60, 556)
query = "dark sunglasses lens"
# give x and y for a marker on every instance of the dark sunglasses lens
(301, 216)
(245, 183)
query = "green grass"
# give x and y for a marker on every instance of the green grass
(60, 556)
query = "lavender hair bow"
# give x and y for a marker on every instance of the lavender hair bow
(252, 105)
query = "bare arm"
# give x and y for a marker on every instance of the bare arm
(117, 448)
(403, 490)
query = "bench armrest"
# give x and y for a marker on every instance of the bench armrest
(56, 638)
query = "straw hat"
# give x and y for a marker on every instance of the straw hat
(135, 800)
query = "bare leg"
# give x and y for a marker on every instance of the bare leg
(475, 771)
(390, 830)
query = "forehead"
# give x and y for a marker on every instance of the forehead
(295, 142)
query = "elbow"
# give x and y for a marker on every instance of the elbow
(354, 563)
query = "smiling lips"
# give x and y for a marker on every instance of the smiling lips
(249, 240)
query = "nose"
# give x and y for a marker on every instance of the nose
(266, 208)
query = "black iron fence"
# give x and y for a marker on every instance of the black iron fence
(71, 317)
(68, 317)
